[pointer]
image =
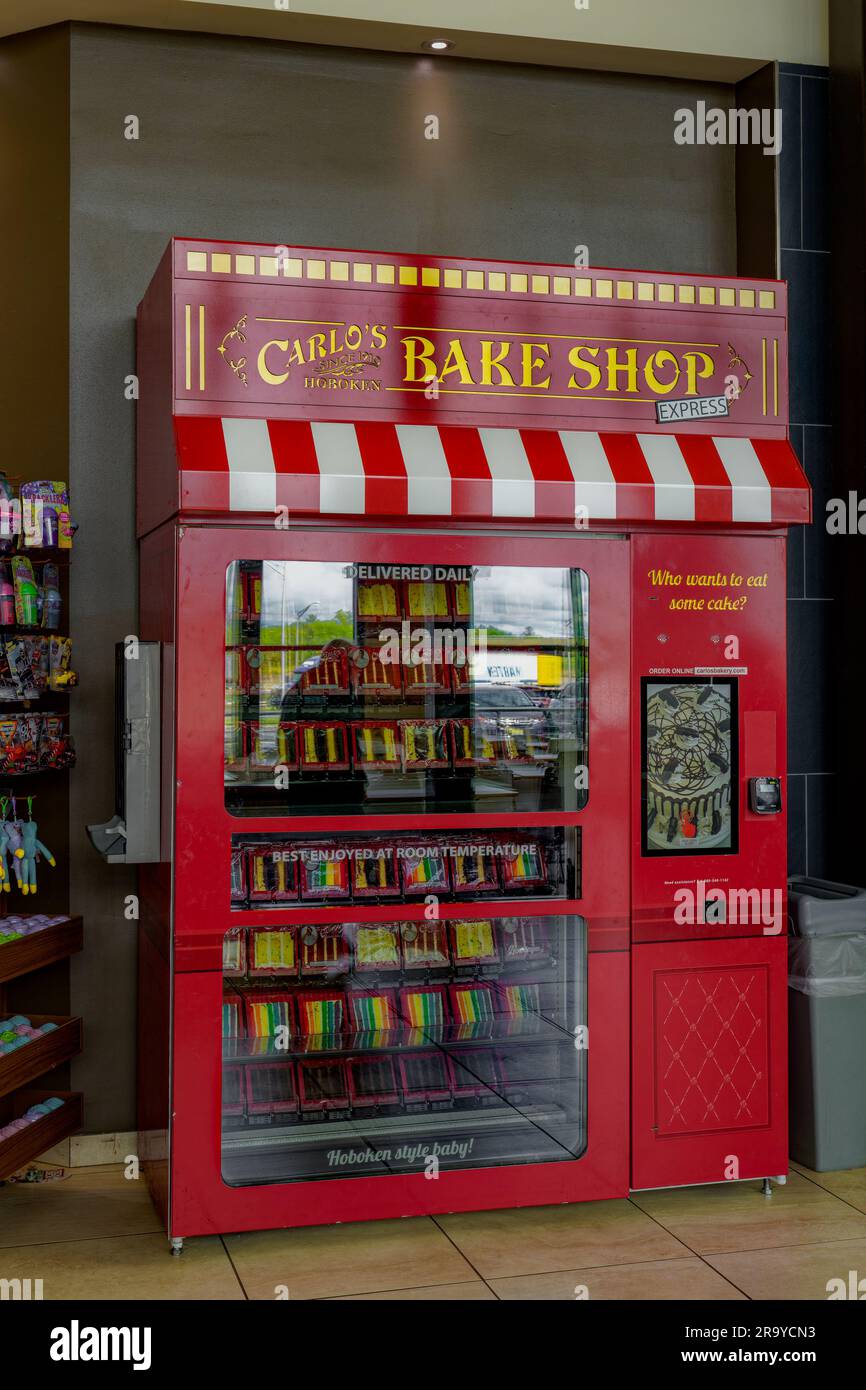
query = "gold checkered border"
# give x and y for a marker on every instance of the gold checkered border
(601, 288)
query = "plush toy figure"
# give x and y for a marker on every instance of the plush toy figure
(31, 847)
(10, 843)
(4, 867)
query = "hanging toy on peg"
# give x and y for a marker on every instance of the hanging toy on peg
(32, 848)
(12, 841)
(5, 845)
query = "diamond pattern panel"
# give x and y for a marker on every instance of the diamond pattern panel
(710, 1049)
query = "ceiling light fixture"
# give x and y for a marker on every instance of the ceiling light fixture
(438, 45)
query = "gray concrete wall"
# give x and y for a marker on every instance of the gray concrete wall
(263, 141)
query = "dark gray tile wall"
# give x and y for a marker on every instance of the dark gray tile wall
(804, 194)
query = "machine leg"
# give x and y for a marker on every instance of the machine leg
(176, 1243)
(767, 1184)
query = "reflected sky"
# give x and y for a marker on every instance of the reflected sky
(514, 599)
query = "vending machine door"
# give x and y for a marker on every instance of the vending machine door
(401, 894)
(709, 1075)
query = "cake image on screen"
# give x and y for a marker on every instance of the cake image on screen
(688, 766)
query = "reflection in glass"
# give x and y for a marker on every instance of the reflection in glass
(363, 689)
(366, 1047)
(368, 868)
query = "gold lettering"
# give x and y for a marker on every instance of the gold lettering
(577, 358)
(491, 361)
(692, 373)
(379, 335)
(264, 372)
(456, 362)
(661, 359)
(531, 364)
(316, 346)
(614, 367)
(297, 354)
(418, 351)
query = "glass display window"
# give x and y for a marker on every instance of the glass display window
(455, 1038)
(361, 689)
(295, 870)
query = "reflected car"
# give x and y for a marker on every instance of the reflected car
(508, 708)
(567, 714)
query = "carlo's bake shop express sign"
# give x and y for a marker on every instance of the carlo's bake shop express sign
(357, 359)
(352, 360)
(293, 352)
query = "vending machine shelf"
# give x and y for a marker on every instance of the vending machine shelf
(529, 1032)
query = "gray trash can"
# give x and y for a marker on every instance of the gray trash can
(827, 1024)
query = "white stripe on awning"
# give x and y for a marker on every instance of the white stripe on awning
(341, 471)
(252, 478)
(752, 498)
(594, 483)
(513, 480)
(429, 477)
(674, 488)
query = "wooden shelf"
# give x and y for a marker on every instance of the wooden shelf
(42, 948)
(42, 1054)
(20, 1148)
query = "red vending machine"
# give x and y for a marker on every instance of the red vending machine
(469, 582)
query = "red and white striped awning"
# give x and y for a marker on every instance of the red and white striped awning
(384, 470)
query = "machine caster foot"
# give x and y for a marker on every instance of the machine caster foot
(176, 1243)
(767, 1184)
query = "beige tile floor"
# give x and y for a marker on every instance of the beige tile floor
(96, 1235)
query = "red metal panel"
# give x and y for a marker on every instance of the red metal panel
(635, 494)
(709, 1062)
(157, 624)
(327, 334)
(710, 1058)
(713, 496)
(786, 480)
(671, 644)
(472, 486)
(157, 482)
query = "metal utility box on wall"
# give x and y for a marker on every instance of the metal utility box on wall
(132, 836)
